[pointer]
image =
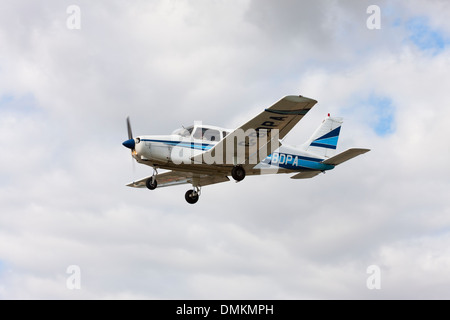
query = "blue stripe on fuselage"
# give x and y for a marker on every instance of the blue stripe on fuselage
(183, 144)
(296, 162)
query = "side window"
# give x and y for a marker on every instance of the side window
(224, 133)
(206, 134)
(211, 135)
(198, 134)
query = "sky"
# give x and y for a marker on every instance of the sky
(71, 229)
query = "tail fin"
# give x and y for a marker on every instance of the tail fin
(324, 140)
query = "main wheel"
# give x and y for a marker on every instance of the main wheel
(151, 183)
(238, 173)
(191, 196)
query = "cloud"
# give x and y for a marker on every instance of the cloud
(63, 101)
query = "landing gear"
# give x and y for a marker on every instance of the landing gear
(192, 196)
(151, 183)
(238, 173)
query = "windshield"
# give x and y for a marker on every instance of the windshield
(207, 134)
(184, 132)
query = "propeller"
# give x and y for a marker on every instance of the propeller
(130, 143)
(130, 133)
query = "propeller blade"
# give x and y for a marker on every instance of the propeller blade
(130, 143)
(130, 133)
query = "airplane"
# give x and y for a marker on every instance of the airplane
(203, 155)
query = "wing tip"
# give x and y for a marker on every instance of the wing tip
(299, 98)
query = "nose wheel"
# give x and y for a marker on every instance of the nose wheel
(192, 196)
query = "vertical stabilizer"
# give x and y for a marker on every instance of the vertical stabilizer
(324, 140)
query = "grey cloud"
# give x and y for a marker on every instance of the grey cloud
(169, 63)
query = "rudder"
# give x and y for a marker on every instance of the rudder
(324, 140)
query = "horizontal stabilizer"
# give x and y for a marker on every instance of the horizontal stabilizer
(306, 175)
(344, 156)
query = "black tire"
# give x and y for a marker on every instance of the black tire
(238, 173)
(191, 197)
(151, 184)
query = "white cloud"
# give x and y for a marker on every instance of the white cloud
(63, 100)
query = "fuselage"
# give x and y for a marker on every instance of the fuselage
(175, 151)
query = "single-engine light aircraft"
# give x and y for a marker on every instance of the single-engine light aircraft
(202, 155)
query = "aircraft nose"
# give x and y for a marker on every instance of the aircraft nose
(130, 144)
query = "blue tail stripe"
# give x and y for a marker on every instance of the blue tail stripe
(321, 145)
(331, 141)
(332, 133)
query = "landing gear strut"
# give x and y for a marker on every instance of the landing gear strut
(238, 173)
(192, 196)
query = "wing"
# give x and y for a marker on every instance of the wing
(259, 137)
(173, 178)
(283, 115)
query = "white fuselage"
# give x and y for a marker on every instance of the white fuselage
(177, 150)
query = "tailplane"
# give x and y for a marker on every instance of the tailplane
(345, 156)
(324, 140)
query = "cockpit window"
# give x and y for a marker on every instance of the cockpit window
(198, 134)
(207, 134)
(211, 135)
